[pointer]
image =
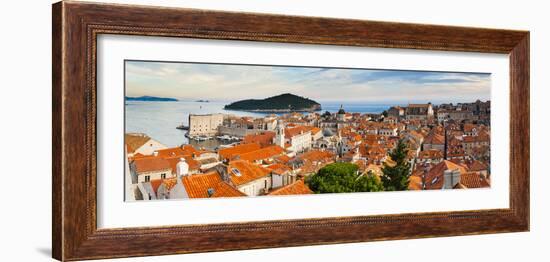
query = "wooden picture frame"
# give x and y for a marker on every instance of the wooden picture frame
(76, 26)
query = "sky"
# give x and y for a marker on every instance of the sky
(229, 82)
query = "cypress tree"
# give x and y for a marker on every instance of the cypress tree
(396, 177)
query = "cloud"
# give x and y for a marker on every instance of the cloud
(235, 82)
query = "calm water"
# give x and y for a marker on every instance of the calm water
(160, 119)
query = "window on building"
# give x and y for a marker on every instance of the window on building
(147, 178)
(163, 176)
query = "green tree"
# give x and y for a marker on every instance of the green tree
(396, 174)
(343, 178)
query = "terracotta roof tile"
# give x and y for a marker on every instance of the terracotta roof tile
(316, 155)
(279, 168)
(264, 139)
(296, 188)
(292, 132)
(434, 178)
(283, 159)
(135, 141)
(151, 164)
(223, 189)
(155, 184)
(315, 130)
(477, 166)
(415, 182)
(469, 127)
(478, 138)
(232, 152)
(245, 172)
(197, 185)
(193, 164)
(170, 152)
(430, 154)
(434, 139)
(473, 180)
(264, 153)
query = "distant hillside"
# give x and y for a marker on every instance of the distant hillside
(150, 98)
(281, 103)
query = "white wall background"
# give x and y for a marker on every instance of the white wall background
(25, 57)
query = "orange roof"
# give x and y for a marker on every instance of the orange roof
(316, 155)
(416, 135)
(296, 188)
(197, 185)
(279, 168)
(294, 131)
(473, 180)
(155, 184)
(434, 139)
(263, 139)
(430, 154)
(283, 159)
(193, 164)
(264, 153)
(138, 155)
(232, 152)
(151, 164)
(434, 178)
(170, 152)
(479, 138)
(312, 129)
(246, 172)
(135, 141)
(315, 130)
(477, 166)
(469, 127)
(415, 182)
(389, 126)
(376, 150)
(168, 184)
(223, 189)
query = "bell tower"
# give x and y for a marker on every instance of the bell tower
(280, 134)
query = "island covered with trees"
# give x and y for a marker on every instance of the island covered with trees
(281, 103)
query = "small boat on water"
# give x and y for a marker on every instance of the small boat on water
(202, 138)
(224, 137)
(182, 127)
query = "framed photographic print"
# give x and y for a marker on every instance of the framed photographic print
(206, 131)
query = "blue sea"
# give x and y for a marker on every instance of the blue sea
(160, 119)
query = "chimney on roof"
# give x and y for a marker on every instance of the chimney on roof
(156, 153)
(182, 168)
(451, 178)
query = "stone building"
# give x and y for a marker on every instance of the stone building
(204, 125)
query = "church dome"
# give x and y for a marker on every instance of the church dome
(341, 111)
(327, 132)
